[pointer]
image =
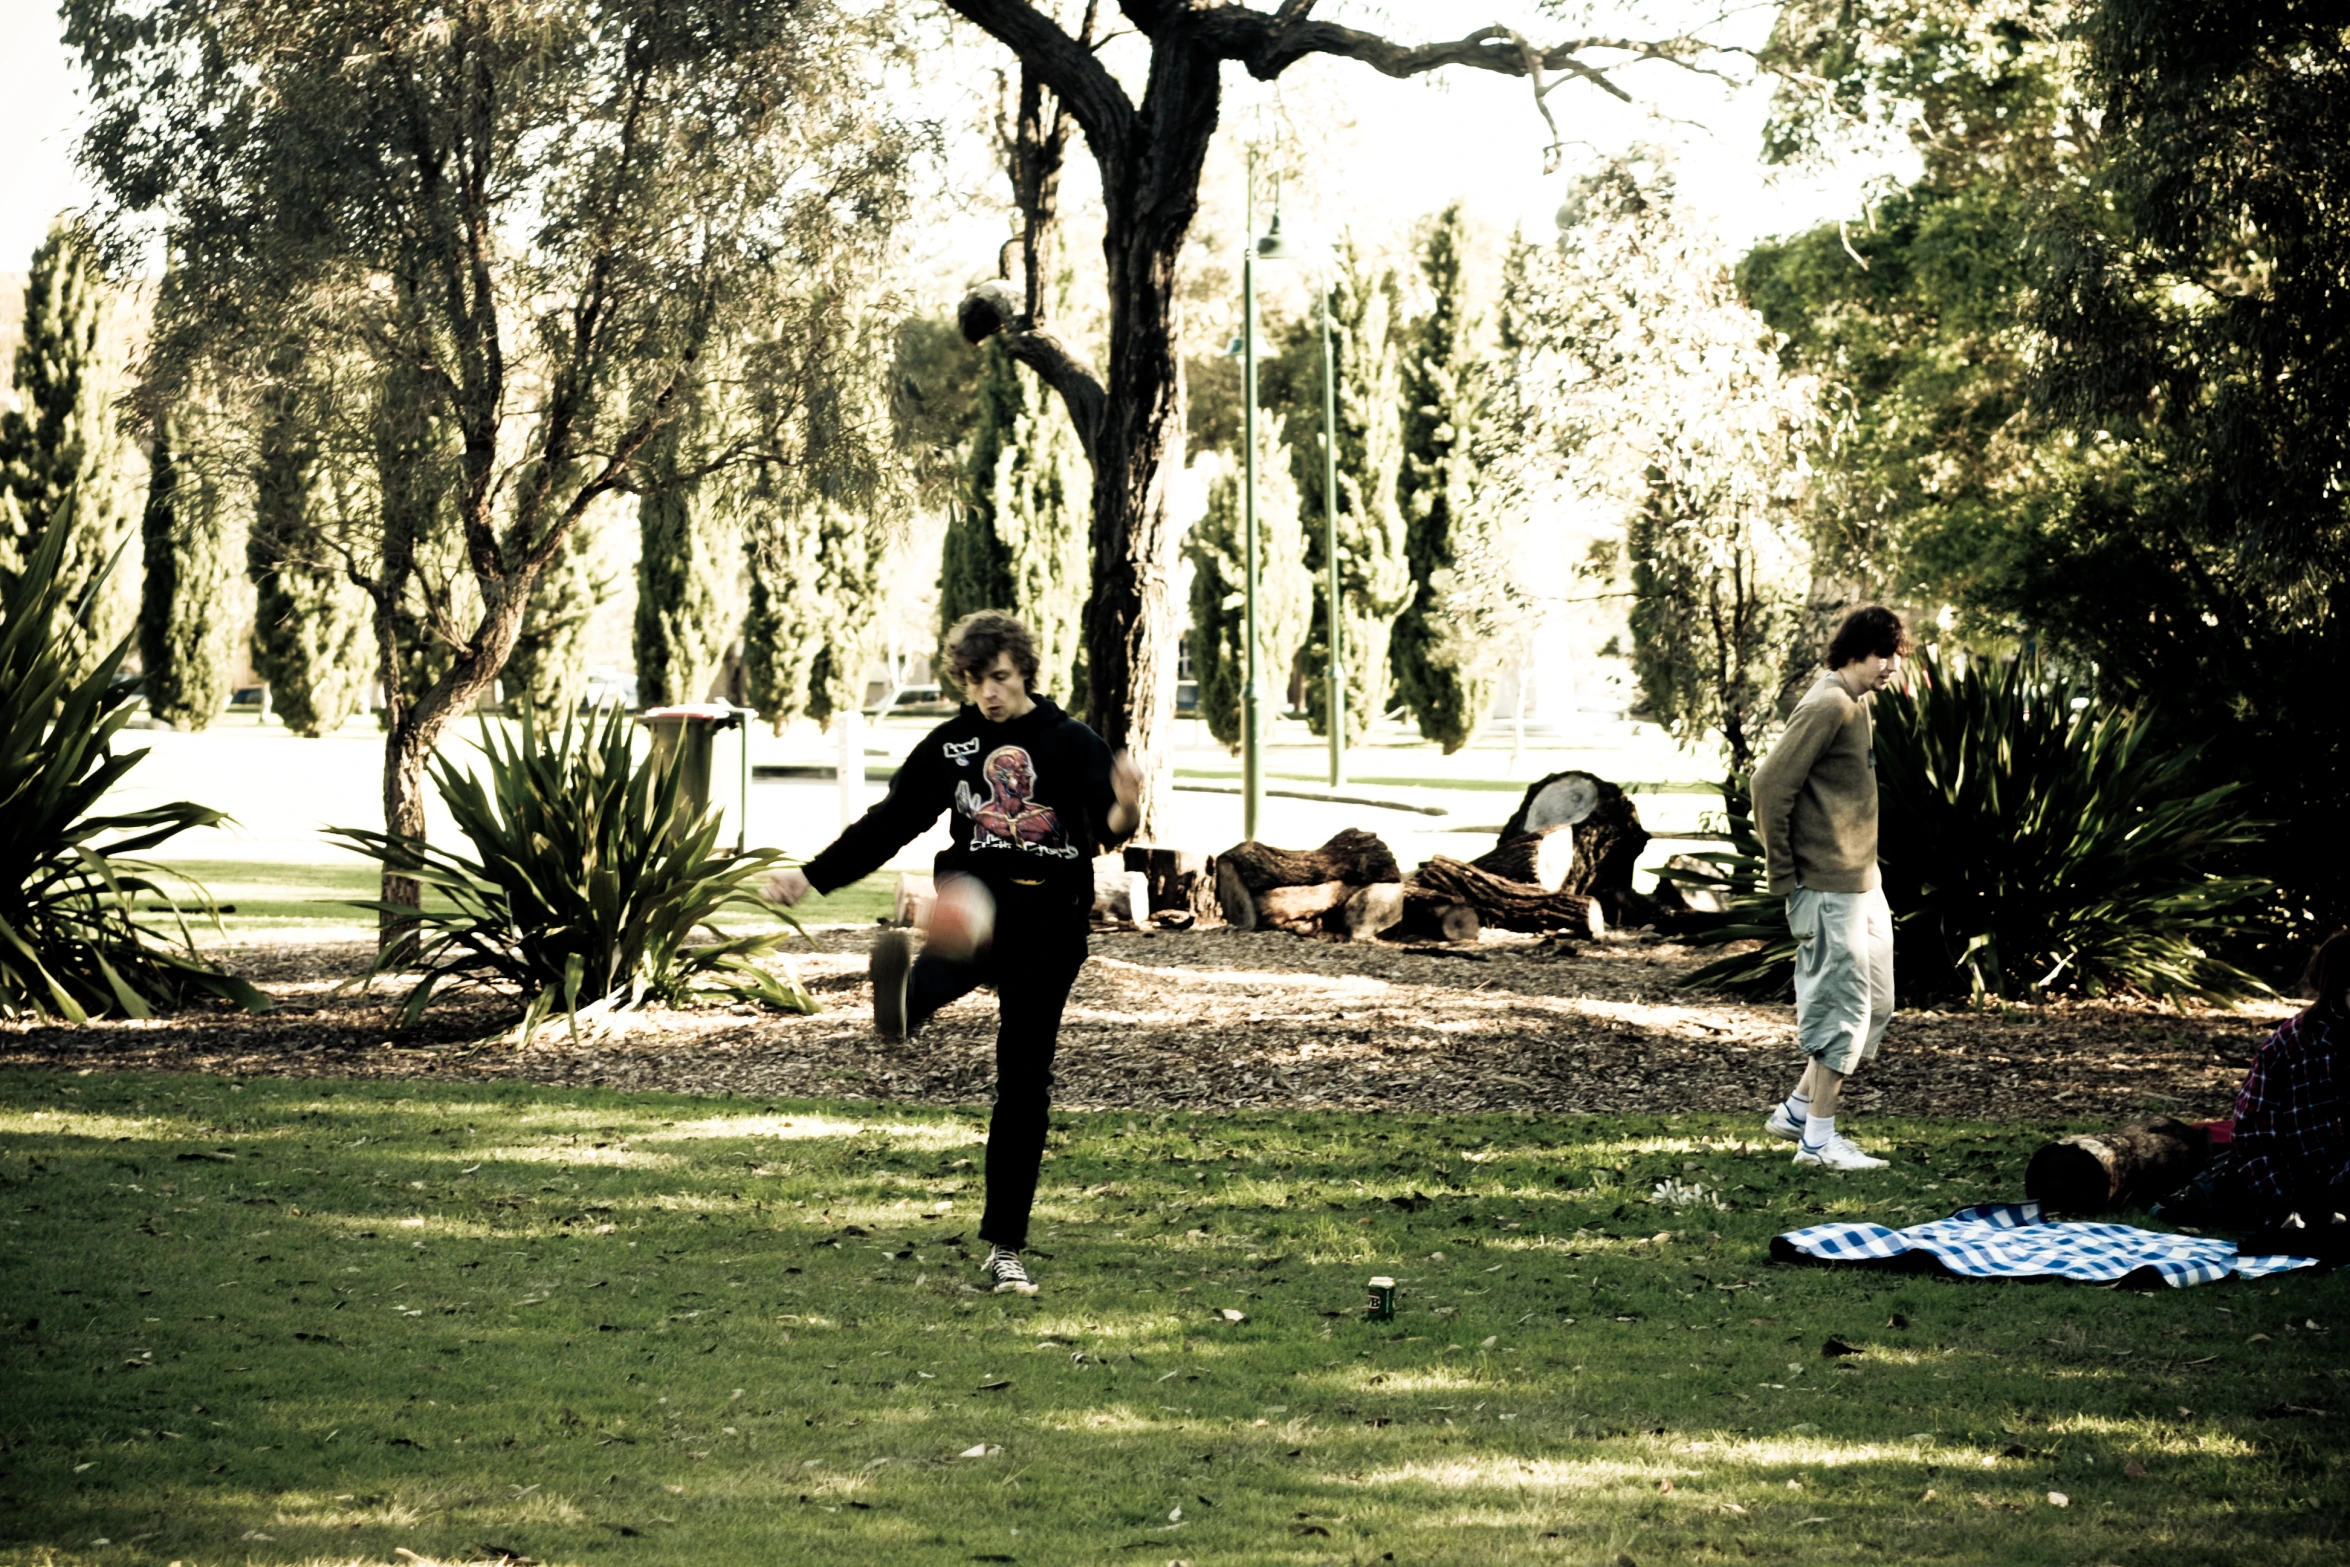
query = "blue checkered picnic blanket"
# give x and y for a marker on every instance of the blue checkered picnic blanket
(2011, 1240)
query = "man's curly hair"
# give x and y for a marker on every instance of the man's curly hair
(975, 642)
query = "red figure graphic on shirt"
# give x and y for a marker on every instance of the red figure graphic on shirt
(1010, 813)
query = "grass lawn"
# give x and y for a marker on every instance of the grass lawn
(269, 1321)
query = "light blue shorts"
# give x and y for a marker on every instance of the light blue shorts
(1843, 974)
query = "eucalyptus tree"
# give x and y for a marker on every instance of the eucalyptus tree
(536, 219)
(1151, 145)
(1648, 387)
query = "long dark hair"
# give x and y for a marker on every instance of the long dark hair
(1869, 630)
(2328, 976)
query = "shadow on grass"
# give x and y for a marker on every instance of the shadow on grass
(290, 1322)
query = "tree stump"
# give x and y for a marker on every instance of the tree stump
(1402, 911)
(1511, 905)
(1540, 859)
(1607, 834)
(1180, 879)
(2137, 1163)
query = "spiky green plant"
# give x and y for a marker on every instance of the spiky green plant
(70, 945)
(581, 894)
(2030, 842)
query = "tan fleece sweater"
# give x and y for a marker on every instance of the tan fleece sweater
(1815, 794)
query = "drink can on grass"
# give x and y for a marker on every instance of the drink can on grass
(1382, 1299)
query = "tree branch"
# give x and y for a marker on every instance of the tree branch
(993, 308)
(1267, 45)
(1066, 66)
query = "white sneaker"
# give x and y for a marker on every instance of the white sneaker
(1005, 1271)
(1781, 1124)
(1842, 1153)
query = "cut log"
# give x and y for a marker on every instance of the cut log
(1353, 856)
(1234, 901)
(1539, 859)
(1300, 909)
(1120, 894)
(1511, 905)
(2136, 1164)
(1370, 911)
(1431, 916)
(1607, 830)
(1179, 879)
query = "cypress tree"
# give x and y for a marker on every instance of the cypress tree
(1017, 539)
(310, 623)
(685, 577)
(815, 599)
(184, 610)
(1375, 577)
(1219, 611)
(64, 459)
(1445, 677)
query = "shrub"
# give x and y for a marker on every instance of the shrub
(71, 946)
(578, 895)
(2031, 843)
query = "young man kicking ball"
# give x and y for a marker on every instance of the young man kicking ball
(1032, 796)
(1815, 807)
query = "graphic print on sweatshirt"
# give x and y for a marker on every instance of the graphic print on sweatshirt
(1008, 815)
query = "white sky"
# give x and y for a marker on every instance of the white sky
(1389, 151)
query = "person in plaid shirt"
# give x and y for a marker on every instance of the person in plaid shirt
(2291, 1151)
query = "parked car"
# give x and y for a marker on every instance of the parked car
(922, 701)
(606, 684)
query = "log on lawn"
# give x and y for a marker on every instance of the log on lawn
(2136, 1164)
(1510, 905)
(1608, 836)
(1183, 880)
(1540, 859)
(1299, 910)
(1246, 872)
(1402, 911)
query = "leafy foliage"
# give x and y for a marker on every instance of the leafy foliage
(587, 890)
(70, 946)
(1442, 653)
(1016, 539)
(310, 622)
(1915, 308)
(65, 464)
(1217, 546)
(689, 552)
(2193, 300)
(2028, 846)
(186, 606)
(1659, 395)
(1374, 576)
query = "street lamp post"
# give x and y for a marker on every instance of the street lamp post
(1252, 735)
(1335, 706)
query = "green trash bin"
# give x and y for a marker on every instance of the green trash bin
(684, 738)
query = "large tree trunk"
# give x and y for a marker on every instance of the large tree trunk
(2137, 1164)
(1150, 196)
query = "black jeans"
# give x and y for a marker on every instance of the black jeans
(1031, 965)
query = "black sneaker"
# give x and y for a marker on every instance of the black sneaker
(893, 958)
(1006, 1272)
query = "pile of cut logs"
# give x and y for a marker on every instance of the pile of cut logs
(1562, 866)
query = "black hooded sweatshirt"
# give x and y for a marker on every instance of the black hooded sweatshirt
(1029, 799)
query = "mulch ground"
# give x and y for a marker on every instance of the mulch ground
(1229, 1020)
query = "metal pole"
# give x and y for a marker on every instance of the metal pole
(1252, 739)
(742, 812)
(1336, 706)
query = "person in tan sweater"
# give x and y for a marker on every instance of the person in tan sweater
(1815, 807)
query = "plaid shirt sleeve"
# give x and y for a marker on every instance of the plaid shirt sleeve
(2292, 1138)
